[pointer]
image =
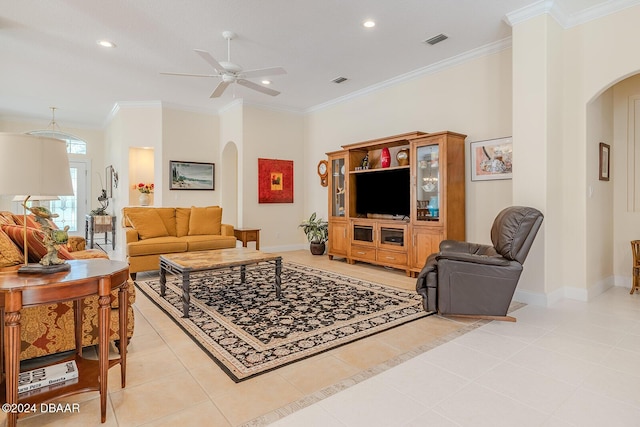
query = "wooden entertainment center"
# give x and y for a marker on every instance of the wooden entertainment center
(396, 215)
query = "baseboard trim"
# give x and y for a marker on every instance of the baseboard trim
(569, 292)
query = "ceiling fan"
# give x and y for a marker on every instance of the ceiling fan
(228, 72)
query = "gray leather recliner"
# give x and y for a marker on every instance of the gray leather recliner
(478, 280)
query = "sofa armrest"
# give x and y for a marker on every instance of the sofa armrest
(131, 235)
(227, 230)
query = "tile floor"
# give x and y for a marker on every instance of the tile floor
(574, 364)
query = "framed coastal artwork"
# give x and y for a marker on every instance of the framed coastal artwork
(191, 175)
(491, 159)
(275, 181)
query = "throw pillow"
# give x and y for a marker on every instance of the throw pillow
(9, 252)
(147, 223)
(35, 242)
(182, 221)
(205, 221)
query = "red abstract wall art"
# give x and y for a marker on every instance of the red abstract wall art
(275, 181)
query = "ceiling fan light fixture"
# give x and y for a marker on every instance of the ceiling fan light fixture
(266, 82)
(369, 23)
(106, 43)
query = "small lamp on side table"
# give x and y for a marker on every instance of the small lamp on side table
(32, 164)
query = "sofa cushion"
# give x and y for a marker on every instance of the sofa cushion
(10, 254)
(182, 221)
(7, 218)
(158, 245)
(205, 221)
(205, 243)
(168, 216)
(148, 223)
(89, 254)
(35, 242)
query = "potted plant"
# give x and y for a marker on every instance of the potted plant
(317, 231)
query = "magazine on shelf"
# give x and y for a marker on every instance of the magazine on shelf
(46, 376)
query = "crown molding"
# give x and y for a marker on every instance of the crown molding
(128, 104)
(489, 49)
(230, 106)
(565, 20)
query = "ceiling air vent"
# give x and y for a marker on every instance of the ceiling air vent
(436, 39)
(339, 80)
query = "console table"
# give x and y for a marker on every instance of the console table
(100, 224)
(85, 278)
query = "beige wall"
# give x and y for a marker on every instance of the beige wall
(473, 98)
(596, 57)
(625, 172)
(559, 76)
(600, 194)
(193, 137)
(273, 135)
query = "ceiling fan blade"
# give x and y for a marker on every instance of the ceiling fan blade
(210, 59)
(255, 86)
(264, 72)
(220, 89)
(190, 75)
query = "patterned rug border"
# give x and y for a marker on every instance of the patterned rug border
(190, 328)
(310, 399)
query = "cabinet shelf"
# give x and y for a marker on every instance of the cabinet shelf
(379, 169)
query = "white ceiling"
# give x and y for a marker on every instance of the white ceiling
(49, 56)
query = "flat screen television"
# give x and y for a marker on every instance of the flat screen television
(383, 192)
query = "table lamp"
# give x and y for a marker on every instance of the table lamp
(35, 165)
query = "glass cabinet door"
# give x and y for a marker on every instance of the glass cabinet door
(428, 183)
(338, 187)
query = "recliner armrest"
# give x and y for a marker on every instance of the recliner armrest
(473, 258)
(466, 247)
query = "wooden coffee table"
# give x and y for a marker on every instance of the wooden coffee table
(186, 263)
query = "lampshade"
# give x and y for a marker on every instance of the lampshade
(32, 164)
(20, 198)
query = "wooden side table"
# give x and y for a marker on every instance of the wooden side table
(248, 235)
(85, 278)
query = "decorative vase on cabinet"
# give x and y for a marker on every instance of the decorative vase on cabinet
(144, 199)
(385, 158)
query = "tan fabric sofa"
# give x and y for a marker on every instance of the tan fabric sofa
(49, 329)
(155, 231)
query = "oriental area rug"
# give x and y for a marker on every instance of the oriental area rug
(248, 331)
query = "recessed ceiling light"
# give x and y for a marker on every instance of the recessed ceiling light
(266, 82)
(369, 24)
(106, 43)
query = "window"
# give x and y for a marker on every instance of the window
(74, 145)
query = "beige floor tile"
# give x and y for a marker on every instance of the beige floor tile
(87, 415)
(213, 380)
(249, 399)
(316, 373)
(203, 414)
(146, 367)
(366, 353)
(150, 401)
(408, 337)
(191, 355)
